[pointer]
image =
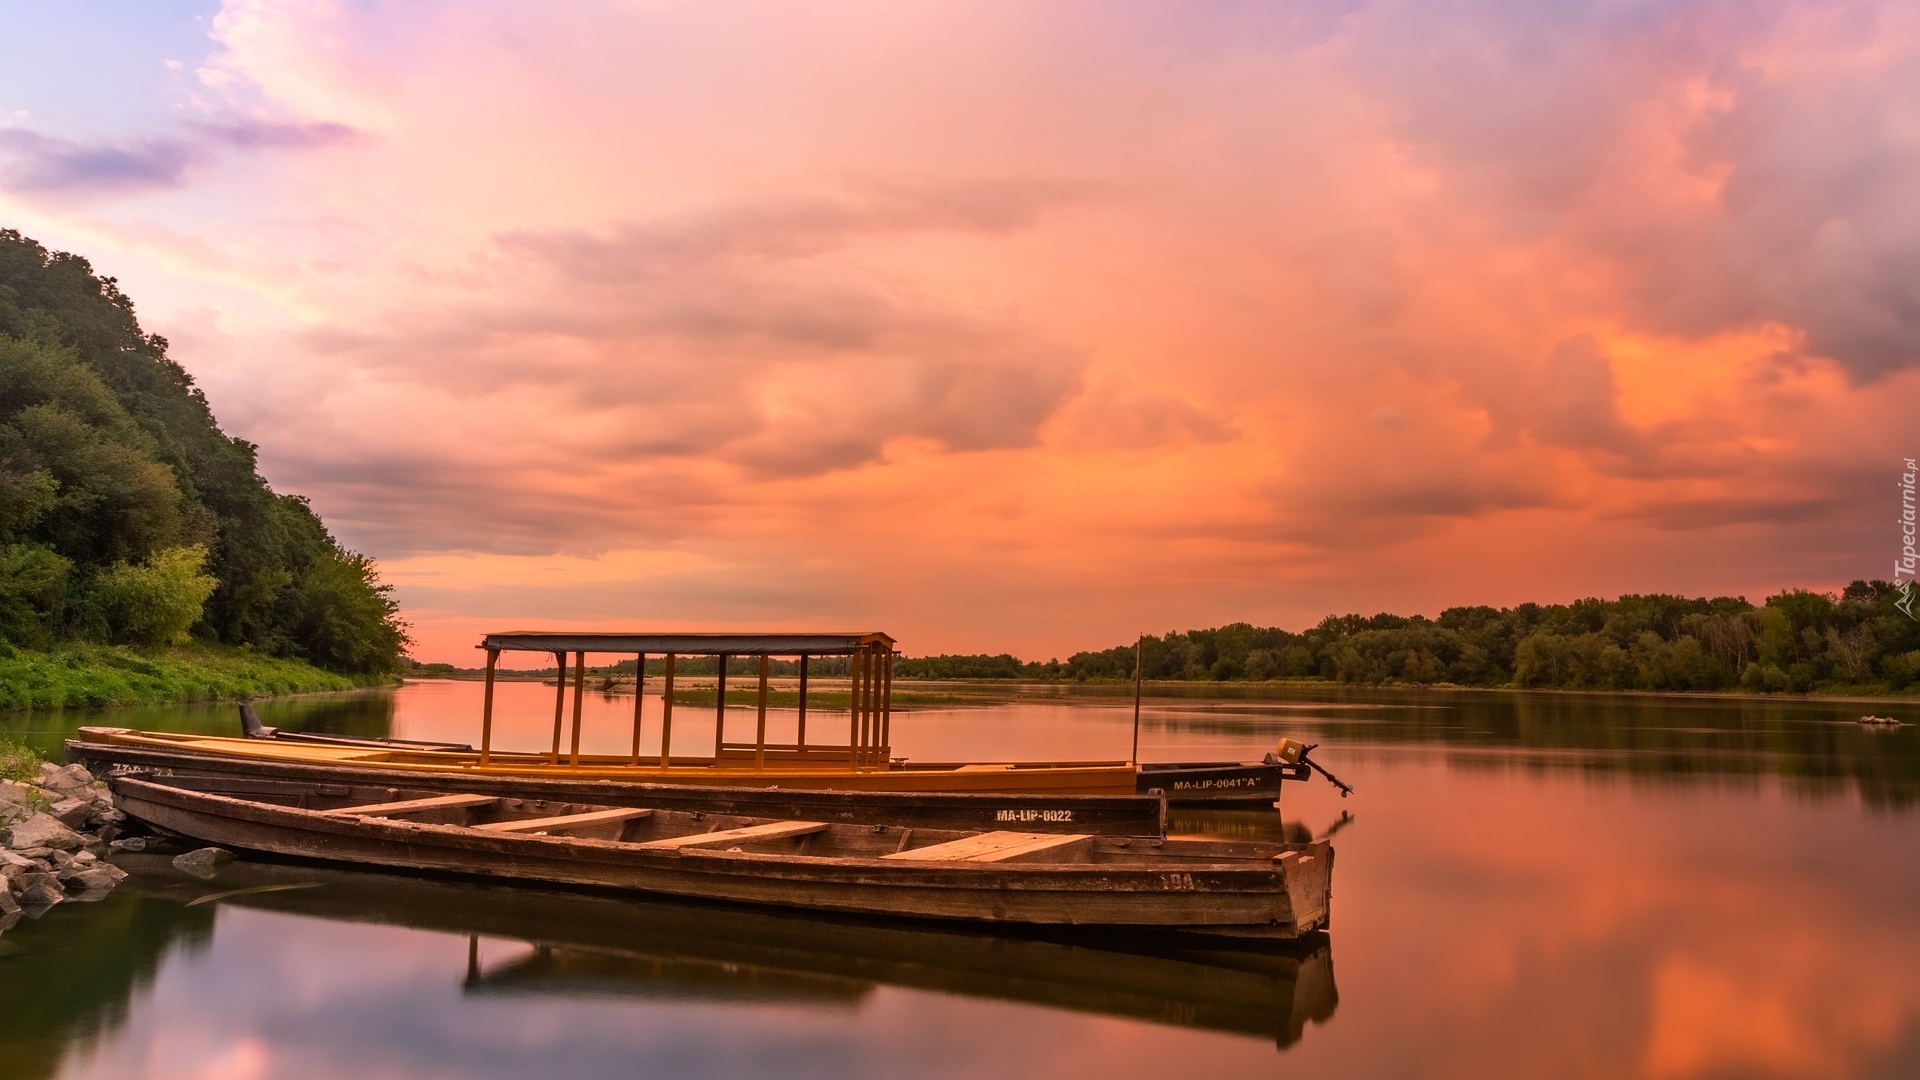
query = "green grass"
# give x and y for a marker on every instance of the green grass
(80, 676)
(18, 761)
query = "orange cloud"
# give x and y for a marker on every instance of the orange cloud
(1023, 328)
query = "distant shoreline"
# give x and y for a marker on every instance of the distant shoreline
(1191, 687)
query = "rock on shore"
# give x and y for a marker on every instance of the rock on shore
(53, 832)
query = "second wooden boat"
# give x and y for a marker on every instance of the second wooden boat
(1197, 886)
(103, 751)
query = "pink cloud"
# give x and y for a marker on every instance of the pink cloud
(975, 311)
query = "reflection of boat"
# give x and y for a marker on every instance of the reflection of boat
(1112, 815)
(580, 944)
(1186, 885)
(865, 762)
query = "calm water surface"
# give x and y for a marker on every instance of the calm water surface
(1549, 885)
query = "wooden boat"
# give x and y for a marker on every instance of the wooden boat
(1108, 815)
(1216, 888)
(543, 942)
(864, 763)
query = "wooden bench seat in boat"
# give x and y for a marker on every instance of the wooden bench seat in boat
(772, 830)
(416, 806)
(565, 822)
(989, 847)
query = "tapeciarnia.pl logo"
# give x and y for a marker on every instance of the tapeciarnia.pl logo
(1905, 563)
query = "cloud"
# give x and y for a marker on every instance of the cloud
(1377, 303)
(34, 163)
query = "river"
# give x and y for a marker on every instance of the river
(1526, 885)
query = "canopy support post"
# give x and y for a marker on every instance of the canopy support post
(579, 699)
(760, 736)
(639, 695)
(486, 710)
(666, 713)
(886, 710)
(869, 702)
(719, 707)
(801, 738)
(853, 710)
(1139, 672)
(559, 702)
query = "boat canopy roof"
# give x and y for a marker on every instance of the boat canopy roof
(689, 644)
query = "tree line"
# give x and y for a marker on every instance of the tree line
(128, 517)
(1797, 641)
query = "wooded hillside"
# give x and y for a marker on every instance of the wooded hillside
(128, 516)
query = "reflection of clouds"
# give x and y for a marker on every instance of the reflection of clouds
(1804, 1012)
(1492, 922)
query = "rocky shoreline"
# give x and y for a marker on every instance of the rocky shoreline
(56, 833)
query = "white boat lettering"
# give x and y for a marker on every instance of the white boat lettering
(1034, 815)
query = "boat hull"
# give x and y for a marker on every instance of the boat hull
(1274, 899)
(1213, 782)
(1105, 815)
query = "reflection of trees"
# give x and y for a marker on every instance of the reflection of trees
(70, 976)
(357, 712)
(1814, 744)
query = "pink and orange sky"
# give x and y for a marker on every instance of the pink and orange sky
(1020, 326)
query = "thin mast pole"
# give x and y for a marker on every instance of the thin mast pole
(666, 714)
(1138, 672)
(639, 695)
(486, 710)
(579, 699)
(559, 702)
(760, 736)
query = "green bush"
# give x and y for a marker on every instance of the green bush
(347, 618)
(33, 592)
(155, 602)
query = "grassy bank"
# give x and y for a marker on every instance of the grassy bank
(95, 675)
(18, 761)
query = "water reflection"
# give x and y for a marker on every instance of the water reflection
(1526, 885)
(68, 979)
(1813, 743)
(75, 975)
(580, 944)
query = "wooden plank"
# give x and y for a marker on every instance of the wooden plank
(988, 847)
(773, 830)
(414, 806)
(564, 822)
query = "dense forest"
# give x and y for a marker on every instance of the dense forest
(128, 517)
(1796, 642)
